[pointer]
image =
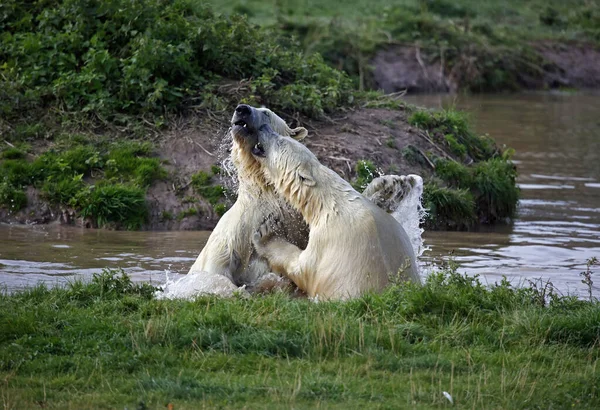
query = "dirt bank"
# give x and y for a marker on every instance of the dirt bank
(378, 135)
(198, 143)
(571, 65)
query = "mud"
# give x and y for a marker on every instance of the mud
(575, 65)
(197, 143)
(579, 64)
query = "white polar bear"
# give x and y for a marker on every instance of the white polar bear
(228, 260)
(354, 246)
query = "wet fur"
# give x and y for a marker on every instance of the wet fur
(354, 246)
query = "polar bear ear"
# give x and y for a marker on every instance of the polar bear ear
(298, 133)
(305, 176)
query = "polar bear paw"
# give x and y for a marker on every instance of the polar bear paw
(270, 228)
(388, 191)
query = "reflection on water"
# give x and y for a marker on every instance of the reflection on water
(54, 254)
(557, 143)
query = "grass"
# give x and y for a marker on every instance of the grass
(103, 181)
(448, 208)
(110, 344)
(485, 45)
(71, 69)
(115, 61)
(366, 171)
(202, 183)
(460, 195)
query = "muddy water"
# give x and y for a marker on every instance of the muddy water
(557, 142)
(55, 254)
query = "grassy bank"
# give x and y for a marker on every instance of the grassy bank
(82, 79)
(483, 45)
(110, 344)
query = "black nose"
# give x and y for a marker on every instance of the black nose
(242, 109)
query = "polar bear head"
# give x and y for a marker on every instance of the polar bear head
(253, 118)
(297, 174)
(245, 123)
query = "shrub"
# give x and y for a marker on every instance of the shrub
(12, 198)
(202, 184)
(492, 184)
(122, 205)
(448, 207)
(118, 57)
(63, 190)
(449, 122)
(12, 153)
(497, 192)
(365, 173)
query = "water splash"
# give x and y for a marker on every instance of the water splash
(410, 213)
(229, 173)
(195, 284)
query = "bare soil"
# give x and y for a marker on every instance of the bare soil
(575, 65)
(195, 144)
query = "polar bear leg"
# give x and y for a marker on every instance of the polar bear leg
(283, 256)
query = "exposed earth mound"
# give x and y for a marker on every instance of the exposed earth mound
(378, 135)
(409, 68)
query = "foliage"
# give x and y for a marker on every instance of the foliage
(587, 276)
(407, 344)
(448, 208)
(12, 198)
(12, 153)
(202, 184)
(490, 179)
(365, 173)
(66, 173)
(492, 183)
(114, 58)
(441, 124)
(123, 205)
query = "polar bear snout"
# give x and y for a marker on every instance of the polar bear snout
(243, 109)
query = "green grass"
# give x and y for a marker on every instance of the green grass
(117, 205)
(202, 182)
(109, 344)
(448, 208)
(486, 44)
(366, 171)
(104, 181)
(460, 195)
(113, 61)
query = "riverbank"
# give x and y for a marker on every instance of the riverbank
(97, 129)
(181, 179)
(444, 46)
(110, 344)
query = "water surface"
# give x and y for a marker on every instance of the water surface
(557, 228)
(557, 143)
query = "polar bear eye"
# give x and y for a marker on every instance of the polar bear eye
(266, 113)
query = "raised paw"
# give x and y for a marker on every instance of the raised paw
(269, 228)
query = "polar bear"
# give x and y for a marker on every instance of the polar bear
(228, 259)
(228, 252)
(354, 246)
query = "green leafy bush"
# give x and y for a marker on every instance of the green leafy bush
(120, 57)
(12, 198)
(448, 207)
(365, 173)
(202, 184)
(454, 123)
(12, 153)
(123, 205)
(64, 190)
